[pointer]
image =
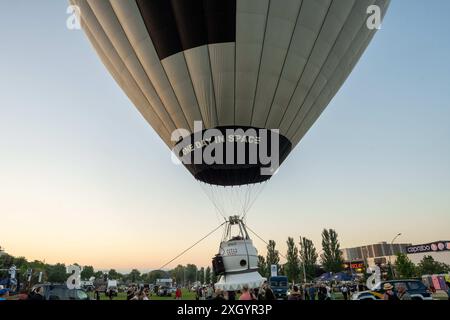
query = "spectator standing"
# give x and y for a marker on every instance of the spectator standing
(209, 292)
(312, 293)
(269, 295)
(344, 291)
(306, 292)
(328, 292)
(231, 295)
(322, 292)
(295, 294)
(246, 294)
(4, 294)
(97, 295)
(219, 295)
(262, 292)
(130, 293)
(403, 293)
(448, 290)
(389, 293)
(36, 294)
(178, 294)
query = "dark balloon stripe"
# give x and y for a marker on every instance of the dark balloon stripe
(161, 25)
(234, 173)
(178, 25)
(220, 20)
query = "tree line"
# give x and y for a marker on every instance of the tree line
(301, 264)
(405, 268)
(302, 258)
(57, 273)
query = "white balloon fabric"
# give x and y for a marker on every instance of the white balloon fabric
(257, 63)
(233, 282)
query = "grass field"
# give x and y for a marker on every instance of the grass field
(187, 295)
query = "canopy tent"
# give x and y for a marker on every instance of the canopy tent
(343, 276)
(328, 276)
(340, 276)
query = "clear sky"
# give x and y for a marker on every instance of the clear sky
(83, 178)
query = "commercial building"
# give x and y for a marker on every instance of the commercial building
(383, 252)
(379, 253)
(439, 250)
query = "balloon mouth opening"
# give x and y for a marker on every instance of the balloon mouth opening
(232, 176)
(233, 156)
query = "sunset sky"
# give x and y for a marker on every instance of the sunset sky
(83, 177)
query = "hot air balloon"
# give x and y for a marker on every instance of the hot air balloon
(242, 65)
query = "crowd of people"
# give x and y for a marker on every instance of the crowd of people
(317, 291)
(311, 292)
(265, 292)
(34, 294)
(262, 293)
(138, 293)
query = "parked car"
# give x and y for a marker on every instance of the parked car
(61, 292)
(112, 288)
(416, 289)
(279, 286)
(164, 291)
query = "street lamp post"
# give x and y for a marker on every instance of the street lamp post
(304, 258)
(304, 253)
(390, 256)
(304, 272)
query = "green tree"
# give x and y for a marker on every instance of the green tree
(389, 272)
(208, 275)
(6, 261)
(213, 277)
(156, 274)
(98, 275)
(178, 274)
(332, 259)
(308, 258)
(292, 266)
(262, 266)
(145, 277)
(430, 266)
(21, 266)
(191, 273)
(87, 272)
(404, 267)
(37, 267)
(273, 256)
(445, 267)
(57, 273)
(20, 262)
(134, 276)
(113, 274)
(282, 270)
(201, 275)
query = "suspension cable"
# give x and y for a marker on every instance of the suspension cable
(252, 201)
(282, 255)
(210, 195)
(182, 253)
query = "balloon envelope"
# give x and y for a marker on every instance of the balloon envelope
(240, 64)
